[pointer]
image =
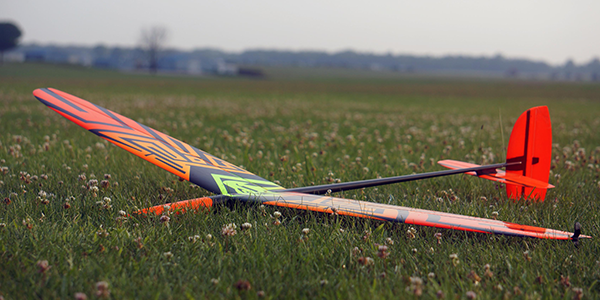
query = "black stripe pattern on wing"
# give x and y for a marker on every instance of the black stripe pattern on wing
(182, 159)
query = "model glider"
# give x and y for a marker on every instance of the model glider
(525, 174)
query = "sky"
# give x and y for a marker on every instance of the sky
(548, 30)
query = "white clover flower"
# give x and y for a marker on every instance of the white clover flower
(229, 230)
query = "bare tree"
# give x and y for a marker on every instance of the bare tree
(153, 40)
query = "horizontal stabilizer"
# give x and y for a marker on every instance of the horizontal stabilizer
(496, 175)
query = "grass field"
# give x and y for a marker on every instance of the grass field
(299, 127)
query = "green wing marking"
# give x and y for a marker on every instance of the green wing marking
(231, 185)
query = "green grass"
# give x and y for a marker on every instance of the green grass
(321, 121)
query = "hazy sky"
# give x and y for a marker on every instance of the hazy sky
(548, 30)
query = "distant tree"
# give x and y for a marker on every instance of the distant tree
(594, 67)
(153, 41)
(9, 38)
(569, 68)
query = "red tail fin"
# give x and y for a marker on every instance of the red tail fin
(531, 144)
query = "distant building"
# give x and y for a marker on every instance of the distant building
(194, 67)
(35, 56)
(14, 57)
(225, 68)
(81, 59)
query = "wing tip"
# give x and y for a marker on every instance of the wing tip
(41, 92)
(38, 91)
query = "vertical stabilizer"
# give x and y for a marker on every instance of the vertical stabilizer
(531, 144)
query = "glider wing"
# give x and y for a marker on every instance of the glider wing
(377, 211)
(175, 156)
(406, 215)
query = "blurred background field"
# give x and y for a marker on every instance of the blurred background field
(300, 127)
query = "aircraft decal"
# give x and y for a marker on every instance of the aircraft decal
(231, 185)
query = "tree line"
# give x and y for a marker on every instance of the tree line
(151, 54)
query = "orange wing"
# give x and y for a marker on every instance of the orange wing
(173, 155)
(377, 211)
